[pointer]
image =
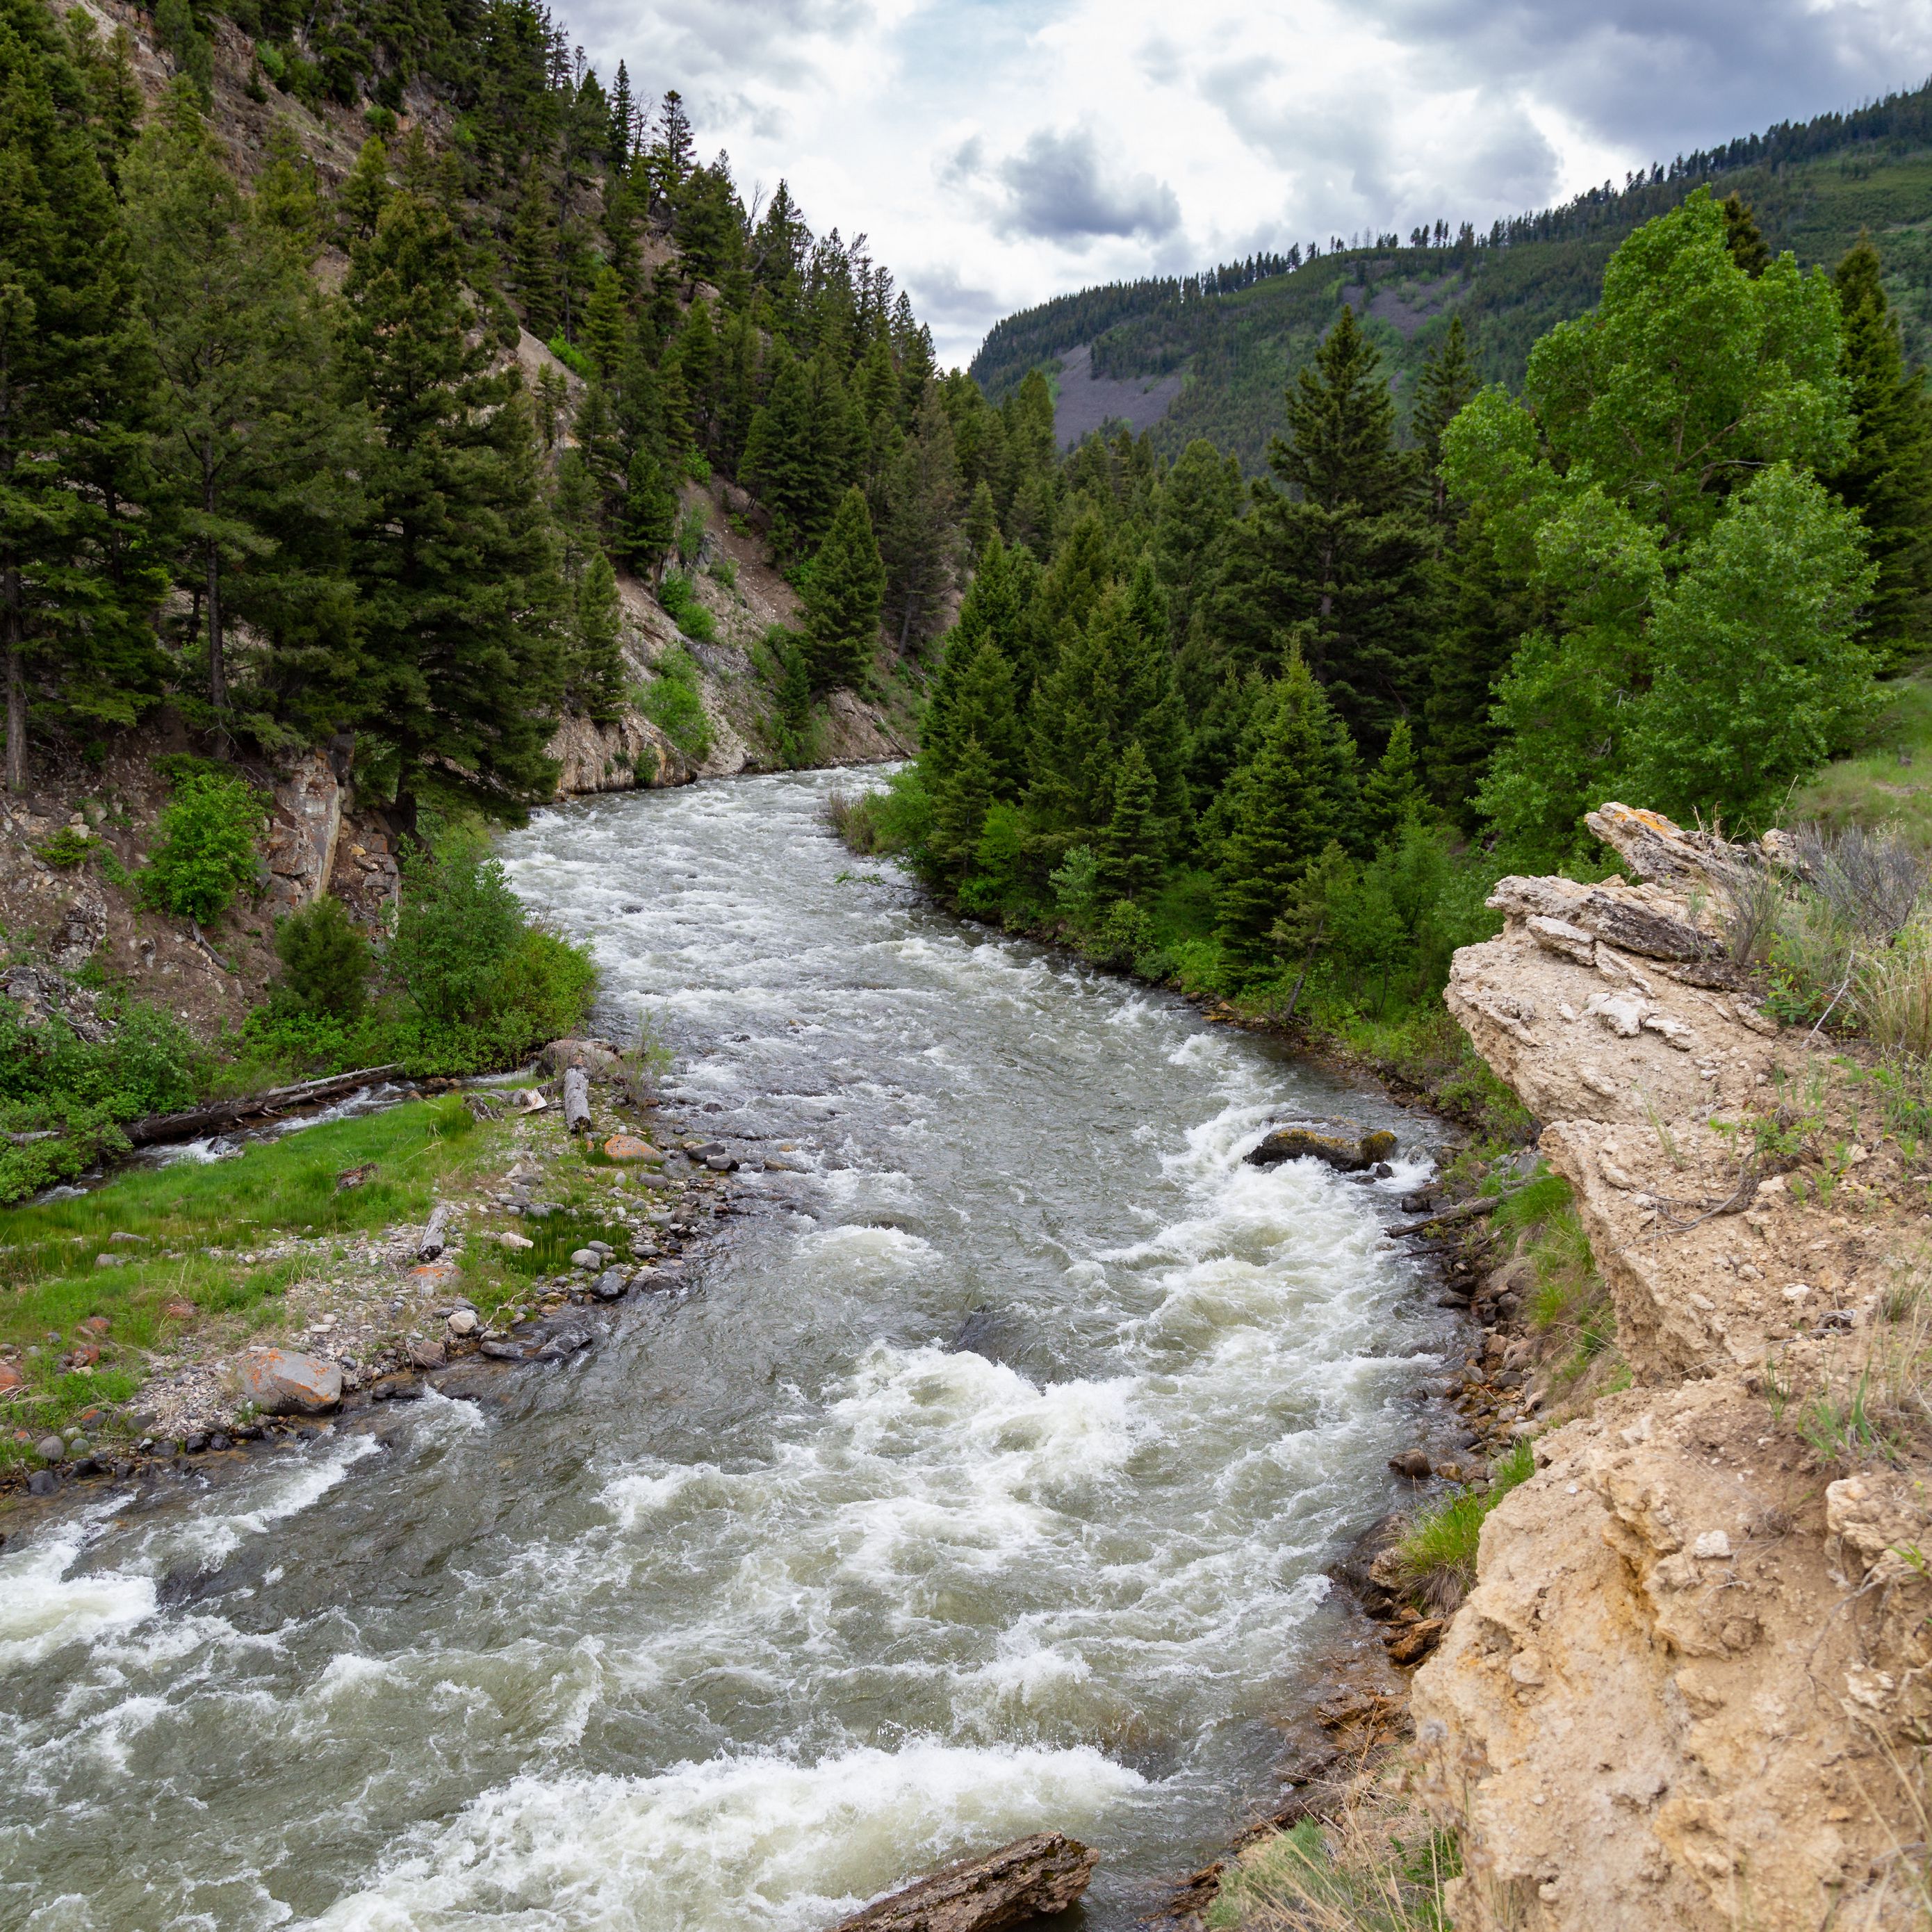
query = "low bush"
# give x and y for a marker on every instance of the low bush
(673, 702)
(325, 961)
(678, 596)
(205, 850)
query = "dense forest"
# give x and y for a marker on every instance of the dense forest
(269, 454)
(1241, 336)
(1281, 740)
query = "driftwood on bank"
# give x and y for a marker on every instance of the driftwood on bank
(219, 1115)
(1469, 1210)
(434, 1237)
(1032, 1878)
(576, 1100)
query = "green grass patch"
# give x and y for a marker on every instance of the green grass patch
(1437, 1551)
(50, 1282)
(1379, 1885)
(1888, 782)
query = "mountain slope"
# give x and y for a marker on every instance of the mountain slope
(1813, 189)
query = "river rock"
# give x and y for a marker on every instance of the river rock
(42, 1482)
(429, 1354)
(565, 1342)
(50, 1449)
(611, 1286)
(462, 1322)
(585, 1258)
(280, 1382)
(1347, 1154)
(503, 1352)
(627, 1147)
(1031, 1878)
(598, 1058)
(1413, 1463)
(514, 1241)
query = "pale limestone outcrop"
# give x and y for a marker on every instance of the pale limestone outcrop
(1689, 1688)
(628, 753)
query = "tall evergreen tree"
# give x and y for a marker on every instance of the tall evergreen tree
(594, 672)
(77, 587)
(1449, 379)
(844, 598)
(1132, 847)
(1748, 247)
(917, 532)
(647, 522)
(1392, 794)
(533, 256)
(1341, 545)
(1296, 791)
(1889, 479)
(463, 602)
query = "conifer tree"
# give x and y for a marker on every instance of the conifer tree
(1392, 792)
(844, 598)
(981, 528)
(1296, 792)
(359, 200)
(463, 607)
(595, 670)
(606, 332)
(621, 136)
(1484, 616)
(1133, 846)
(285, 195)
(1073, 745)
(1341, 545)
(1198, 500)
(77, 584)
(959, 811)
(1449, 379)
(920, 490)
(1889, 479)
(1306, 929)
(533, 256)
(647, 521)
(1747, 246)
(242, 351)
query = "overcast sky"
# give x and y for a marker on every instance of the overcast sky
(997, 153)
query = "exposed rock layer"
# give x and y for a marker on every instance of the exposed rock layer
(1690, 1687)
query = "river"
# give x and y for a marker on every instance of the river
(985, 1483)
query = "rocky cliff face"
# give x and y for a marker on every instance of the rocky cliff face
(1693, 1686)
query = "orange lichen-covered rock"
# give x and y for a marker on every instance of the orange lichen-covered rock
(280, 1382)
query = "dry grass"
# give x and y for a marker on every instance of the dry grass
(1378, 1868)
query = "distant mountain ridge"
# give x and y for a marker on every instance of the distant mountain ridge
(1236, 336)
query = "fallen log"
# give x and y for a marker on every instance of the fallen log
(1469, 1210)
(1032, 1878)
(433, 1241)
(218, 1114)
(576, 1100)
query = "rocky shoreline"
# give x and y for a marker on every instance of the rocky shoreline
(381, 1318)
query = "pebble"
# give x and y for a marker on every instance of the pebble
(218, 1440)
(463, 1321)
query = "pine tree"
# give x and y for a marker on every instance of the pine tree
(77, 586)
(960, 807)
(1889, 480)
(364, 189)
(621, 137)
(606, 332)
(918, 531)
(1485, 616)
(671, 152)
(533, 255)
(242, 353)
(647, 522)
(1133, 846)
(1748, 246)
(844, 598)
(456, 559)
(1306, 929)
(1392, 793)
(1342, 547)
(982, 525)
(1198, 499)
(286, 196)
(595, 670)
(1449, 379)
(1295, 793)
(1073, 741)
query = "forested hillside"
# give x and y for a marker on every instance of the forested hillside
(1241, 333)
(1280, 740)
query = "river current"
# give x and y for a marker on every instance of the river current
(985, 1483)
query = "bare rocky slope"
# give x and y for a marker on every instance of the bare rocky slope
(1693, 1685)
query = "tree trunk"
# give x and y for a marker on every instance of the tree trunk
(217, 669)
(17, 688)
(576, 1100)
(434, 1236)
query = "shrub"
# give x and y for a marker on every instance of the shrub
(679, 599)
(206, 851)
(325, 960)
(723, 570)
(671, 701)
(572, 358)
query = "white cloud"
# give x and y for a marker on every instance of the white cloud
(998, 152)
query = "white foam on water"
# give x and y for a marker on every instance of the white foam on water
(43, 1609)
(732, 1844)
(211, 1537)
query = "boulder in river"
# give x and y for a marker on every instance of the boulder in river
(1031, 1878)
(279, 1381)
(1347, 1152)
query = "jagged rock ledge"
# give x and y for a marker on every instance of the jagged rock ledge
(1693, 1685)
